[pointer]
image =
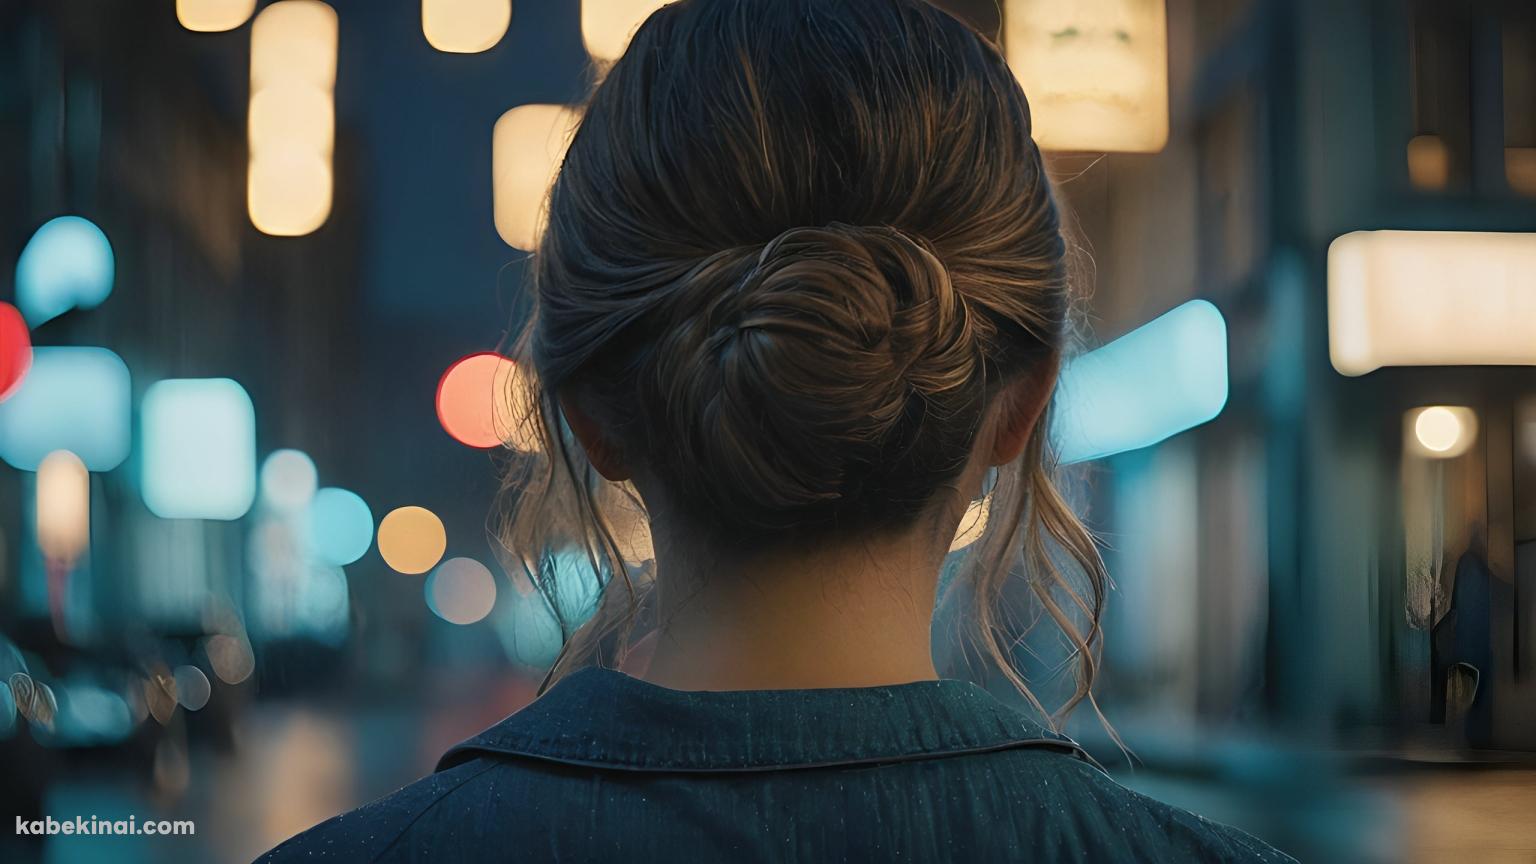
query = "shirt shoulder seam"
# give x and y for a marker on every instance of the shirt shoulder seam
(438, 799)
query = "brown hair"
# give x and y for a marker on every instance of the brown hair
(794, 249)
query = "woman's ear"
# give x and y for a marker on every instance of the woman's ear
(600, 450)
(1021, 403)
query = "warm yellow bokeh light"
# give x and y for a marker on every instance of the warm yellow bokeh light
(292, 117)
(1429, 162)
(412, 540)
(300, 117)
(294, 42)
(213, 16)
(1095, 71)
(1431, 298)
(63, 506)
(1437, 429)
(527, 148)
(1441, 431)
(465, 26)
(289, 192)
(607, 25)
(972, 525)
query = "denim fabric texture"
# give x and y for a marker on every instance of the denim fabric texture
(604, 767)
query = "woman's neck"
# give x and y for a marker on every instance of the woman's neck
(854, 615)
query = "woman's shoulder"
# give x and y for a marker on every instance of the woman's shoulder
(1118, 819)
(384, 829)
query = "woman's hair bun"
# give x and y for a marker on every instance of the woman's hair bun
(800, 374)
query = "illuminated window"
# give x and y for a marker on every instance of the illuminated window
(1431, 298)
(1095, 72)
(213, 16)
(1156, 381)
(527, 148)
(199, 440)
(465, 26)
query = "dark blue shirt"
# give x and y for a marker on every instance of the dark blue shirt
(604, 767)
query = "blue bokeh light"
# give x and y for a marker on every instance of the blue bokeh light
(75, 399)
(199, 449)
(68, 264)
(340, 526)
(1160, 379)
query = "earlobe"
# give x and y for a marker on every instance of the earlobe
(1022, 403)
(601, 452)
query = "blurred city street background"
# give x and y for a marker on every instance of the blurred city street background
(257, 261)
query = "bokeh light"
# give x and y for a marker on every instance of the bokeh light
(63, 506)
(199, 449)
(485, 400)
(461, 591)
(75, 399)
(608, 25)
(412, 539)
(15, 350)
(68, 264)
(292, 117)
(972, 524)
(1096, 73)
(160, 695)
(7, 711)
(1431, 298)
(465, 26)
(340, 526)
(576, 587)
(1162, 378)
(90, 716)
(300, 116)
(294, 42)
(231, 657)
(288, 481)
(527, 147)
(289, 191)
(192, 687)
(528, 632)
(1442, 431)
(213, 16)
(35, 701)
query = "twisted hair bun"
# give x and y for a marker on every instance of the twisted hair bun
(799, 378)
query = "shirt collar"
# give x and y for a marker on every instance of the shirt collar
(603, 718)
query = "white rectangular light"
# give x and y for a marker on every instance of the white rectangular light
(1095, 73)
(1431, 298)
